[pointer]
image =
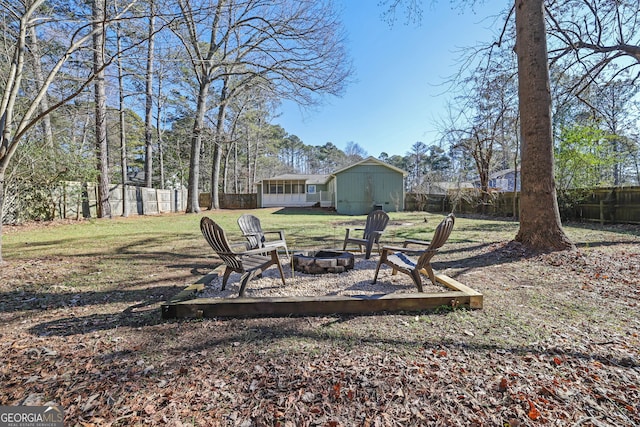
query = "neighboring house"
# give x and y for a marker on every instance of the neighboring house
(354, 190)
(503, 181)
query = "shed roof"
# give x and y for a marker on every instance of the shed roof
(371, 161)
(309, 179)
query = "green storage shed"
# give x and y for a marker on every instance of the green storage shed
(355, 190)
(367, 185)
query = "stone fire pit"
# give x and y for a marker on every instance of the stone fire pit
(322, 262)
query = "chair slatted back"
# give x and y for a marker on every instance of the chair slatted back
(214, 235)
(443, 231)
(251, 228)
(440, 236)
(376, 221)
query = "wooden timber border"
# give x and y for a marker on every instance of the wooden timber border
(184, 306)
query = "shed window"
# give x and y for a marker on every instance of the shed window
(276, 188)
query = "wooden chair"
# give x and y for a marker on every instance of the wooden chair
(248, 262)
(252, 230)
(373, 229)
(416, 261)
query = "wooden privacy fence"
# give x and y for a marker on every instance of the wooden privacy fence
(466, 201)
(604, 205)
(426, 202)
(230, 200)
(79, 200)
(609, 204)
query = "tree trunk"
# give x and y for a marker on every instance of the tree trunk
(104, 206)
(253, 175)
(148, 109)
(2, 174)
(161, 161)
(248, 187)
(217, 145)
(217, 155)
(123, 126)
(235, 169)
(540, 226)
(159, 134)
(215, 174)
(515, 179)
(193, 204)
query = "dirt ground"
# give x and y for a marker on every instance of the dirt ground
(556, 344)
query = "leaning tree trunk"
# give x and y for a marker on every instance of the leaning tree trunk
(39, 76)
(540, 226)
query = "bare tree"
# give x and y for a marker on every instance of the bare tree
(122, 121)
(417, 158)
(148, 105)
(482, 121)
(39, 77)
(355, 152)
(99, 40)
(611, 103)
(295, 47)
(14, 122)
(98, 8)
(540, 226)
(597, 44)
(595, 38)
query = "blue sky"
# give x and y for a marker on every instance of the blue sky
(400, 92)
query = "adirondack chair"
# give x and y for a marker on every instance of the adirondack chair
(414, 261)
(252, 230)
(248, 262)
(373, 229)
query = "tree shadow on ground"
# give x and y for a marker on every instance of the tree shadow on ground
(20, 301)
(289, 328)
(137, 318)
(630, 229)
(138, 315)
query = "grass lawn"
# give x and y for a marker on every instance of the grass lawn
(556, 343)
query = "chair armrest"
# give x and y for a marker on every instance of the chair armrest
(415, 242)
(402, 249)
(239, 247)
(350, 229)
(376, 234)
(258, 251)
(280, 233)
